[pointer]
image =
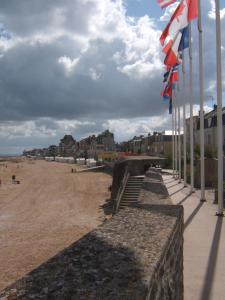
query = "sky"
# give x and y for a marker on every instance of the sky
(83, 66)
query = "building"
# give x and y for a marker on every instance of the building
(106, 139)
(210, 130)
(67, 146)
(87, 147)
(93, 145)
(157, 144)
(160, 144)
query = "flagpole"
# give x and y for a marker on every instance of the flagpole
(184, 123)
(201, 82)
(191, 113)
(219, 111)
(179, 141)
(175, 122)
(173, 152)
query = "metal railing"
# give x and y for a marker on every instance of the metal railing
(121, 190)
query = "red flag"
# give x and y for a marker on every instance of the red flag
(185, 12)
(193, 10)
(172, 57)
(165, 3)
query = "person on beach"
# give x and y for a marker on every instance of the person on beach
(13, 178)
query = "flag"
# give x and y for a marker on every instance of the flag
(167, 92)
(172, 57)
(184, 43)
(171, 106)
(171, 75)
(165, 3)
(166, 76)
(174, 77)
(185, 12)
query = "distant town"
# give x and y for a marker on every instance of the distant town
(156, 143)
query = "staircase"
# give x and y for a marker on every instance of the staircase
(132, 191)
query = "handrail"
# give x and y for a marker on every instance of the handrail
(121, 189)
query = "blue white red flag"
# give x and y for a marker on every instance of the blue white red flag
(165, 3)
(184, 43)
(185, 12)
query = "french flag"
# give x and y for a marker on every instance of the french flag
(185, 12)
(165, 3)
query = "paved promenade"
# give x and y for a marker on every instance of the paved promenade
(204, 243)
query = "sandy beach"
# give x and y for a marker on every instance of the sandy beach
(50, 209)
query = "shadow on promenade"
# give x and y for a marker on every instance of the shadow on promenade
(169, 187)
(176, 192)
(184, 199)
(193, 214)
(211, 267)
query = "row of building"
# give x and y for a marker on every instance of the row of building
(69, 147)
(160, 143)
(156, 144)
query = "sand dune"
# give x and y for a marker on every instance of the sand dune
(46, 212)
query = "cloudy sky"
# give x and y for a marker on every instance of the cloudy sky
(82, 66)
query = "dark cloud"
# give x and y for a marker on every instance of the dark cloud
(68, 60)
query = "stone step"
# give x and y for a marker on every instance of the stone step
(130, 196)
(134, 180)
(132, 191)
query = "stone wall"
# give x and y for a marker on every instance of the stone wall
(154, 190)
(137, 254)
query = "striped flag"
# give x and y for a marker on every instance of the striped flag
(165, 3)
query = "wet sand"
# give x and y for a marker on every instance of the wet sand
(50, 209)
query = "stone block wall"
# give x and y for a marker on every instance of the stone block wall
(167, 282)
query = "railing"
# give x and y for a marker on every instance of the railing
(121, 190)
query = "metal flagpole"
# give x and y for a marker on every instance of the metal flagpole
(219, 111)
(175, 123)
(179, 141)
(191, 113)
(202, 130)
(184, 124)
(173, 152)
